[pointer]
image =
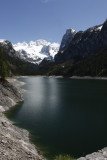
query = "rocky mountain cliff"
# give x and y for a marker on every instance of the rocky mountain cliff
(8, 49)
(15, 64)
(84, 43)
(67, 38)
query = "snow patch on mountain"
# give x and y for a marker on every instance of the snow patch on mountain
(96, 28)
(100, 27)
(36, 51)
(1, 40)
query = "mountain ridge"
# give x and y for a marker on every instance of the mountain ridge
(84, 43)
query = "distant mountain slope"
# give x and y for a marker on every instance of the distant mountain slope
(25, 61)
(16, 64)
(84, 44)
(8, 48)
(95, 66)
(35, 52)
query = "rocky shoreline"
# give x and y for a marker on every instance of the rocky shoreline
(14, 141)
(100, 155)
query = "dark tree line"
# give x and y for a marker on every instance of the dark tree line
(3, 65)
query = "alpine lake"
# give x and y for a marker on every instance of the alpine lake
(63, 115)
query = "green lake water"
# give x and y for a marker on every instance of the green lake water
(64, 116)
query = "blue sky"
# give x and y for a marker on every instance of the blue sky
(25, 20)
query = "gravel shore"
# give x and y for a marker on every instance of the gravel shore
(14, 141)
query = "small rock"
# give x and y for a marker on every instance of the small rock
(105, 154)
(4, 124)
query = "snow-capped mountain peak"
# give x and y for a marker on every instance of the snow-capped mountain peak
(73, 30)
(3, 41)
(36, 51)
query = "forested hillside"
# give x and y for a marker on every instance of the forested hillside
(95, 65)
(14, 66)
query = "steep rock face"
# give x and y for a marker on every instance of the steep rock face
(67, 38)
(15, 62)
(103, 35)
(85, 43)
(9, 95)
(8, 48)
(35, 52)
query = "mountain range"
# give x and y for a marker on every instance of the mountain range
(80, 53)
(36, 51)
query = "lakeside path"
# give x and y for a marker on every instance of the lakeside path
(14, 141)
